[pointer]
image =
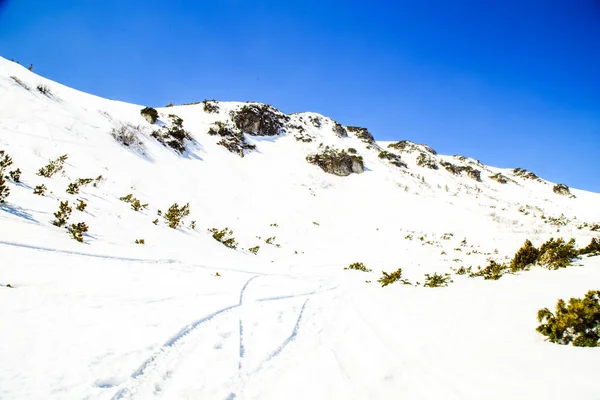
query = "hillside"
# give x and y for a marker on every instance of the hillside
(183, 316)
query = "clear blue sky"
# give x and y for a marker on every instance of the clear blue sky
(514, 83)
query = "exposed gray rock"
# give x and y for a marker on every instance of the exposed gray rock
(337, 162)
(259, 120)
(339, 130)
(362, 133)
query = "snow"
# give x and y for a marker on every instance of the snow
(111, 319)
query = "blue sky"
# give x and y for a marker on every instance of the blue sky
(513, 83)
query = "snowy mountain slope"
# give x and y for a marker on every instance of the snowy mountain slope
(109, 318)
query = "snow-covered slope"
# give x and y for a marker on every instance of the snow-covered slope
(109, 318)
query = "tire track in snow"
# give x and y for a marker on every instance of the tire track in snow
(173, 344)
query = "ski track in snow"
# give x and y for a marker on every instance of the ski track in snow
(149, 371)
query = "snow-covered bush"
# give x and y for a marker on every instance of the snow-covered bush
(337, 162)
(358, 266)
(254, 250)
(437, 280)
(175, 214)
(53, 167)
(150, 114)
(225, 236)
(128, 135)
(63, 214)
(524, 257)
(77, 230)
(471, 172)
(555, 254)
(577, 322)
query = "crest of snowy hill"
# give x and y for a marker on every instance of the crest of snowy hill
(319, 188)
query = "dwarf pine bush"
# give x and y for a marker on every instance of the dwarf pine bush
(524, 257)
(358, 266)
(140, 241)
(4, 190)
(73, 188)
(577, 322)
(53, 167)
(493, 271)
(254, 250)
(175, 214)
(592, 249)
(388, 279)
(15, 175)
(40, 189)
(437, 280)
(81, 205)
(150, 114)
(136, 205)
(5, 161)
(77, 230)
(555, 254)
(45, 90)
(210, 106)
(224, 236)
(63, 214)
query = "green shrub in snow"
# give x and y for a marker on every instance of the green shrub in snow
(524, 257)
(4, 190)
(63, 214)
(73, 188)
(140, 241)
(437, 280)
(225, 236)
(210, 106)
(174, 135)
(15, 175)
(175, 214)
(493, 271)
(53, 167)
(81, 205)
(45, 90)
(358, 266)
(77, 230)
(577, 322)
(388, 279)
(136, 205)
(150, 114)
(40, 189)
(555, 254)
(5, 161)
(254, 250)
(591, 249)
